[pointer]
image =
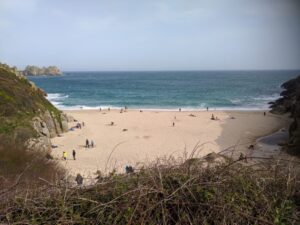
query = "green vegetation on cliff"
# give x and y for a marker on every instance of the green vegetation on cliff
(20, 101)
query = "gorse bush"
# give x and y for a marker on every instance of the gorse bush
(230, 193)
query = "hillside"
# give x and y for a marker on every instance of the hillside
(27, 118)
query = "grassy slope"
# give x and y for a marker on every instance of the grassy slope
(19, 103)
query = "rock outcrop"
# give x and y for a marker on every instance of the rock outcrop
(26, 116)
(33, 70)
(290, 103)
(36, 71)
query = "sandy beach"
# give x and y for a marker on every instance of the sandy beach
(142, 137)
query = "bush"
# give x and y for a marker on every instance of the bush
(167, 194)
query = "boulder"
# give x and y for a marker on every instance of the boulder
(40, 127)
(40, 144)
(64, 122)
(48, 120)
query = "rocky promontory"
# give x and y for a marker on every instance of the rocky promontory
(36, 71)
(290, 103)
(33, 70)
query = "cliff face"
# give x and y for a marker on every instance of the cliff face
(36, 71)
(290, 103)
(26, 116)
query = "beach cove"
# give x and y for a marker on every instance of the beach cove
(141, 137)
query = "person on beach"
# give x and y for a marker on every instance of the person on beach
(129, 169)
(179, 109)
(87, 144)
(100, 109)
(92, 143)
(79, 179)
(212, 117)
(64, 155)
(108, 109)
(173, 124)
(74, 154)
(206, 108)
(264, 113)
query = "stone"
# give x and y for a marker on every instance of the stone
(40, 144)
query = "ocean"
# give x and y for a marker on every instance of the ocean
(165, 90)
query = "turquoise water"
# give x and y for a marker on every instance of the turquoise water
(192, 90)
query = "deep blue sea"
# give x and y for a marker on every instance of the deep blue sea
(189, 90)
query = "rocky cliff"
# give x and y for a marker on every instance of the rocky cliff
(26, 117)
(33, 70)
(290, 103)
(36, 71)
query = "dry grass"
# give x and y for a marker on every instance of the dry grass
(21, 168)
(229, 193)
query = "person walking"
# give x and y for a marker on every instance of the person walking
(74, 154)
(92, 143)
(65, 155)
(87, 144)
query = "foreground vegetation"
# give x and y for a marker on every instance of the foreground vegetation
(229, 193)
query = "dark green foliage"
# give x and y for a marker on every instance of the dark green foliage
(225, 194)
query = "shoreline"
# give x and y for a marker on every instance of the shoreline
(143, 137)
(166, 110)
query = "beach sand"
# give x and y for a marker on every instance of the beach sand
(142, 137)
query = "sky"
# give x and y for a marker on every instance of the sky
(98, 35)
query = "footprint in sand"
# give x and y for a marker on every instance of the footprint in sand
(145, 137)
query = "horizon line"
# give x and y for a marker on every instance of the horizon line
(170, 70)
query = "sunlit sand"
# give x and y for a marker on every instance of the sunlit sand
(142, 137)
